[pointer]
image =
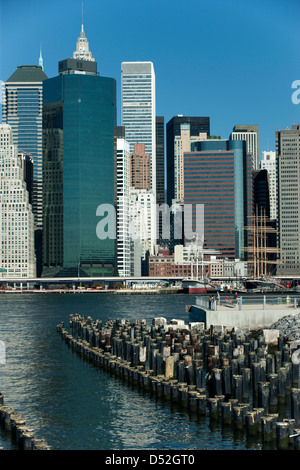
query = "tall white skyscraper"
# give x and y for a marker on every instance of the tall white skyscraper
(17, 253)
(138, 109)
(123, 235)
(139, 119)
(268, 162)
(249, 133)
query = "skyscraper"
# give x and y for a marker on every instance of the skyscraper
(250, 134)
(268, 162)
(160, 170)
(138, 108)
(218, 174)
(22, 109)
(160, 159)
(79, 118)
(194, 126)
(17, 254)
(288, 181)
(123, 235)
(140, 168)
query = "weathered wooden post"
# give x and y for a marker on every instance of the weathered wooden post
(282, 435)
(264, 395)
(251, 419)
(295, 405)
(237, 387)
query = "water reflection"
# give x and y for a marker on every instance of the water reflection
(72, 404)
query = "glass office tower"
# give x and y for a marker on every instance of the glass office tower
(79, 118)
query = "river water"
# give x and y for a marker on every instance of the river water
(75, 406)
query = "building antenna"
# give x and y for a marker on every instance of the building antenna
(82, 16)
(41, 62)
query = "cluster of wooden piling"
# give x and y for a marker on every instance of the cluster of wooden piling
(235, 377)
(14, 426)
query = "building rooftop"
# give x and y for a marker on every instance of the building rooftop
(28, 73)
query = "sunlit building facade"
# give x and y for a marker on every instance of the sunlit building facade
(17, 252)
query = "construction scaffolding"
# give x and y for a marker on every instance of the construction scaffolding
(263, 258)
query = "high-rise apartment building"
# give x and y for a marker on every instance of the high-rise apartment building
(17, 253)
(22, 104)
(218, 175)
(123, 234)
(140, 168)
(79, 119)
(181, 130)
(288, 183)
(250, 134)
(268, 162)
(138, 108)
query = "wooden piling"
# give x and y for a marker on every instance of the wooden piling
(295, 405)
(251, 421)
(176, 361)
(226, 413)
(282, 435)
(264, 395)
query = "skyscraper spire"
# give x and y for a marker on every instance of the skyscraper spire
(41, 62)
(82, 17)
(82, 46)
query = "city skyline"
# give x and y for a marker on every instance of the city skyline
(233, 63)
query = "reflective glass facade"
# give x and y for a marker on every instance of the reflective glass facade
(79, 118)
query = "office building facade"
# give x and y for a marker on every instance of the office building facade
(22, 104)
(123, 179)
(17, 251)
(138, 108)
(268, 162)
(288, 183)
(174, 129)
(79, 119)
(249, 133)
(160, 159)
(140, 168)
(218, 175)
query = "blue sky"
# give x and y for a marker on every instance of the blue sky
(234, 61)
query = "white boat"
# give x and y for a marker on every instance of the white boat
(196, 286)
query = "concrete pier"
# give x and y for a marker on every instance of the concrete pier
(216, 372)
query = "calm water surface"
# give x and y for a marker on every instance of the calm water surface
(75, 406)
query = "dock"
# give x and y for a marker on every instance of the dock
(240, 314)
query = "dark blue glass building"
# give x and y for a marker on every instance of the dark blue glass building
(79, 118)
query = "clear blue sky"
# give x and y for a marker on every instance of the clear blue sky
(232, 60)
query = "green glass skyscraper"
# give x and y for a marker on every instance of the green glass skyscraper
(79, 118)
